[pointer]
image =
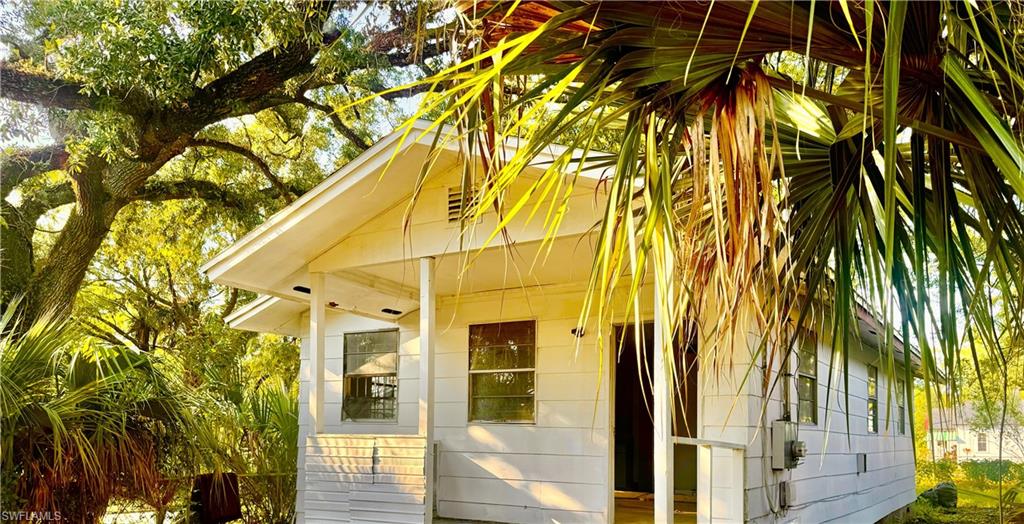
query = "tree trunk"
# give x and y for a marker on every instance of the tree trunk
(102, 188)
(101, 191)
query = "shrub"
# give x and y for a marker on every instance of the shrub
(986, 471)
(939, 471)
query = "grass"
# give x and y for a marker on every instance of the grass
(976, 503)
(922, 512)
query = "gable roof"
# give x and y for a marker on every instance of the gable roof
(281, 242)
(273, 257)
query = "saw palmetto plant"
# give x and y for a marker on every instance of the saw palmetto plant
(794, 161)
(85, 425)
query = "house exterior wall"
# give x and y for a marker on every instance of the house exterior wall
(973, 451)
(558, 469)
(553, 470)
(827, 485)
(408, 359)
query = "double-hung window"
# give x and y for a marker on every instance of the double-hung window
(901, 406)
(807, 379)
(872, 399)
(371, 375)
(982, 442)
(501, 371)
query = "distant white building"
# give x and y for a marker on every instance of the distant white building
(430, 391)
(962, 434)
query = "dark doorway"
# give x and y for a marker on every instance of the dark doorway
(634, 427)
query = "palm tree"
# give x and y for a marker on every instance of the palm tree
(791, 160)
(270, 416)
(254, 430)
(85, 424)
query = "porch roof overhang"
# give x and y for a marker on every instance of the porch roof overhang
(268, 314)
(288, 240)
(315, 234)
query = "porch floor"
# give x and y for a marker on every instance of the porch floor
(627, 511)
(640, 509)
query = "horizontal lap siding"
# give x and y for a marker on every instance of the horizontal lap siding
(555, 470)
(827, 486)
(363, 479)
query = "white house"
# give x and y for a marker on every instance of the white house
(963, 435)
(433, 392)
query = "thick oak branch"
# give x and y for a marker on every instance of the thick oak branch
(184, 189)
(27, 163)
(406, 92)
(249, 84)
(42, 90)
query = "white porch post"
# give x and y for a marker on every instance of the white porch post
(664, 491)
(426, 380)
(317, 329)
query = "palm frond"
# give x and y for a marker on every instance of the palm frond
(888, 182)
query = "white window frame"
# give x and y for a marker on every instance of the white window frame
(469, 386)
(872, 416)
(901, 405)
(345, 375)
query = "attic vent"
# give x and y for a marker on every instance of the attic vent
(457, 202)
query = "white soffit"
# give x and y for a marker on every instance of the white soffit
(268, 314)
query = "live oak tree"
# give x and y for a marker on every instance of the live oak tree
(136, 95)
(140, 139)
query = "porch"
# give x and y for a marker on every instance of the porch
(381, 477)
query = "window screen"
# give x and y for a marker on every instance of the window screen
(807, 379)
(371, 375)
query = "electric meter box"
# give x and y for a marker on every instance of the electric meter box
(787, 451)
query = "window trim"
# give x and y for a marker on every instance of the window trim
(806, 334)
(872, 418)
(470, 372)
(901, 405)
(345, 376)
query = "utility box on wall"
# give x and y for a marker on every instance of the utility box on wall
(862, 463)
(787, 451)
(787, 494)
